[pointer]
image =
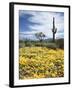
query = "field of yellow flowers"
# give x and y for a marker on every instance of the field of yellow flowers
(40, 62)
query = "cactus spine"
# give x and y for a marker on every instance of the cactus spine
(54, 30)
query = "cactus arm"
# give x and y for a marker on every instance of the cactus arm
(55, 30)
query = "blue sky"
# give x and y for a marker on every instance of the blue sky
(31, 22)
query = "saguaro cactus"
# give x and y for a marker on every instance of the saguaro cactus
(54, 30)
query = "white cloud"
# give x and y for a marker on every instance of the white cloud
(23, 12)
(59, 35)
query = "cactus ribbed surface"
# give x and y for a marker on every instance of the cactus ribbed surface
(54, 30)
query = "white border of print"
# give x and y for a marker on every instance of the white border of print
(16, 45)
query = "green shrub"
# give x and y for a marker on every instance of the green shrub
(60, 43)
(52, 46)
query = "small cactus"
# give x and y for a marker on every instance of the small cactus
(54, 30)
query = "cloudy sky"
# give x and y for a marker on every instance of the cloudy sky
(31, 22)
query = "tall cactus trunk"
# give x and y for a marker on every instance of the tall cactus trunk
(53, 37)
(54, 30)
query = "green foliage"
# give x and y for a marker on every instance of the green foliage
(52, 46)
(60, 43)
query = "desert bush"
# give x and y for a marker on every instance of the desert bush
(60, 43)
(51, 46)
